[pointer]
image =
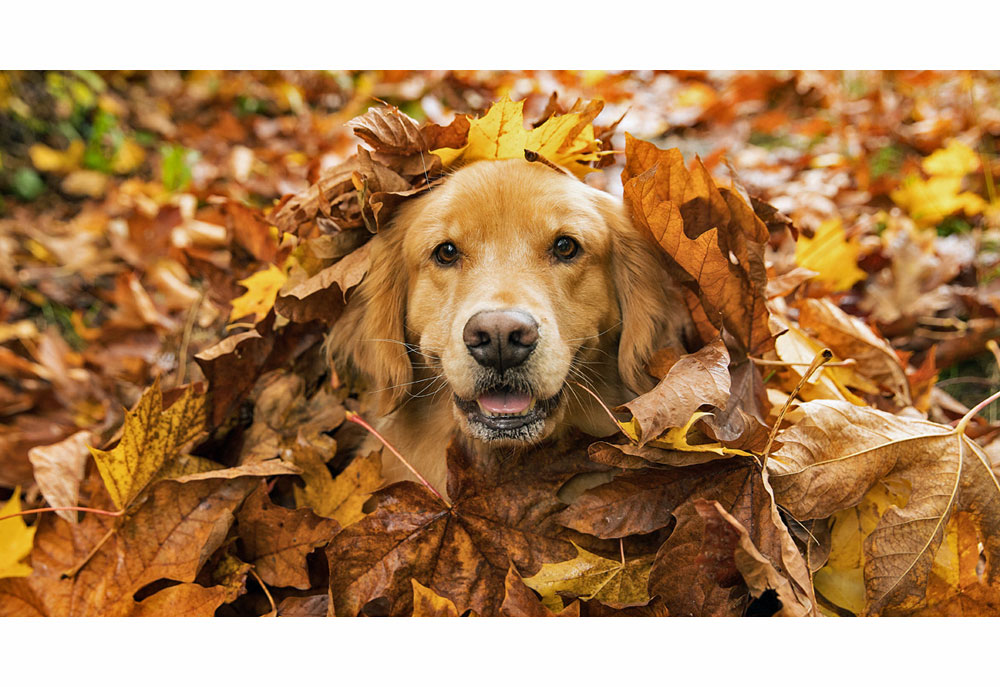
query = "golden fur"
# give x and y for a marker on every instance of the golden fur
(600, 316)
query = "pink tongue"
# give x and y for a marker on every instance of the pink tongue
(505, 402)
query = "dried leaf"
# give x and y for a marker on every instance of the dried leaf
(831, 255)
(262, 290)
(612, 582)
(150, 438)
(427, 604)
(277, 540)
(59, 469)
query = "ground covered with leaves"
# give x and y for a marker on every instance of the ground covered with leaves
(175, 246)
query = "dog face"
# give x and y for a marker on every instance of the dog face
(497, 290)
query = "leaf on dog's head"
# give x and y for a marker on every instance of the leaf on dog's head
(388, 130)
(714, 239)
(565, 140)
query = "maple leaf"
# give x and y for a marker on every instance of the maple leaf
(520, 602)
(262, 290)
(565, 140)
(615, 583)
(817, 473)
(151, 437)
(462, 552)
(16, 539)
(714, 239)
(169, 536)
(59, 469)
(830, 255)
(341, 497)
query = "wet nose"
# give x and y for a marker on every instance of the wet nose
(501, 339)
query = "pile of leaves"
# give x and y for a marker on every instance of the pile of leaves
(799, 460)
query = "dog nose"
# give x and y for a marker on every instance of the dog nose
(501, 339)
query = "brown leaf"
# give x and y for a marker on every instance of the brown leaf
(713, 237)
(727, 545)
(277, 540)
(388, 130)
(427, 604)
(59, 469)
(169, 537)
(520, 602)
(831, 459)
(849, 337)
(696, 379)
(323, 296)
(182, 600)
(500, 514)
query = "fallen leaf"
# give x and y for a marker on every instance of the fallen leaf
(262, 290)
(714, 239)
(696, 379)
(277, 540)
(341, 497)
(837, 452)
(16, 539)
(831, 255)
(59, 469)
(427, 604)
(614, 583)
(151, 436)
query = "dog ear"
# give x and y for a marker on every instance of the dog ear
(369, 337)
(653, 314)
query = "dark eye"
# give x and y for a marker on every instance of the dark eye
(446, 253)
(565, 248)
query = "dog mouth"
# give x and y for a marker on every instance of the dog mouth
(505, 413)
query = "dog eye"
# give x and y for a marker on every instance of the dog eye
(565, 248)
(446, 253)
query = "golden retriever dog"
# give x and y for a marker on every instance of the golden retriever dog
(487, 297)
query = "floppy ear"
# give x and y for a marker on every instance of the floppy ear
(653, 313)
(369, 336)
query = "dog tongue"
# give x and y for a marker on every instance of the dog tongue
(505, 401)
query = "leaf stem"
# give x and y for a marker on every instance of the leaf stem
(358, 420)
(964, 422)
(267, 593)
(821, 359)
(52, 509)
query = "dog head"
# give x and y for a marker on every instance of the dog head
(497, 290)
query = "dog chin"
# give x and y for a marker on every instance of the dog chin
(507, 424)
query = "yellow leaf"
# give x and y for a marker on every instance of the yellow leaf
(262, 290)
(16, 539)
(831, 255)
(928, 202)
(150, 438)
(46, 159)
(842, 579)
(954, 160)
(129, 156)
(85, 182)
(566, 140)
(677, 438)
(589, 576)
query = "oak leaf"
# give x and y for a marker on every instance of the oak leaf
(151, 437)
